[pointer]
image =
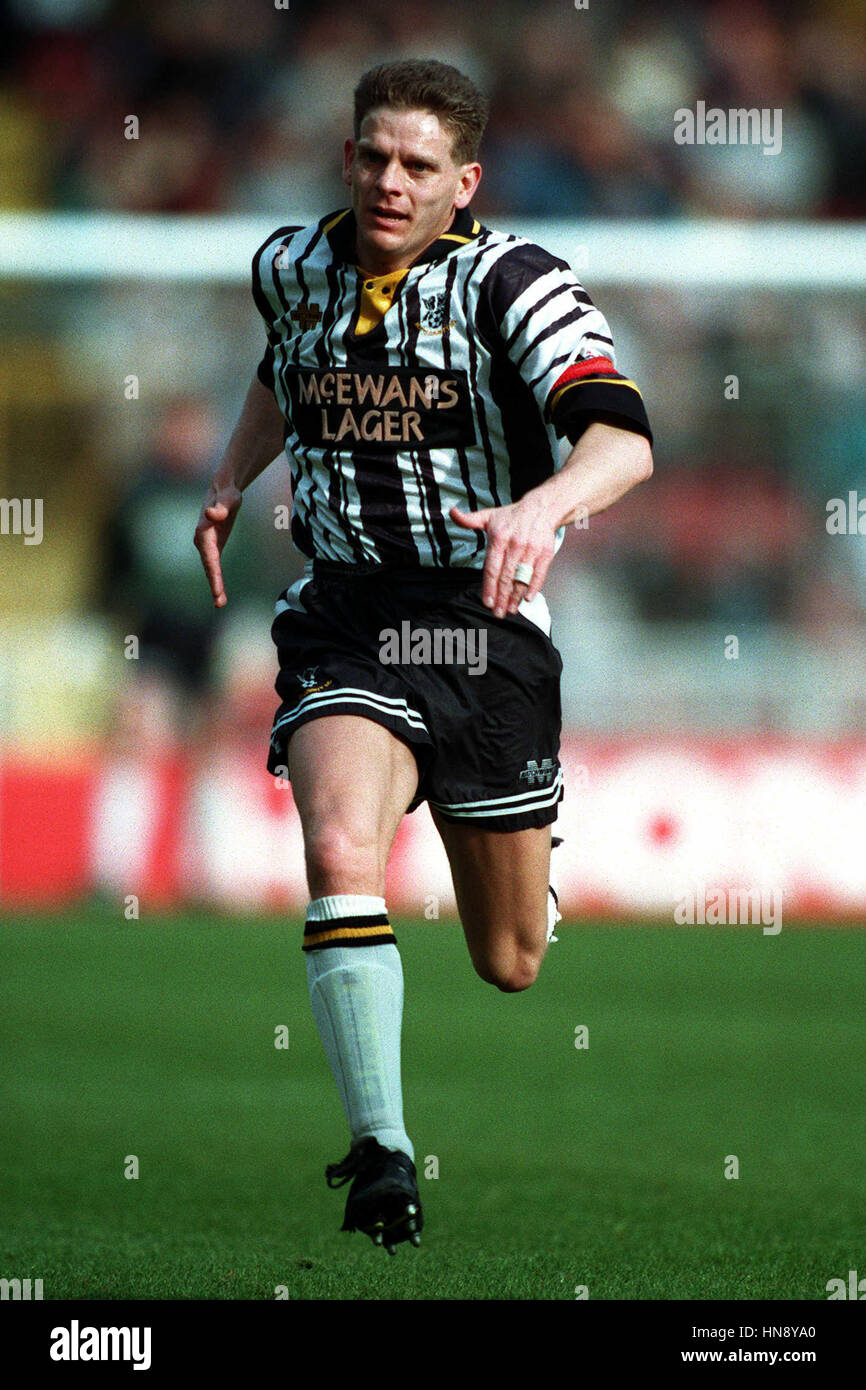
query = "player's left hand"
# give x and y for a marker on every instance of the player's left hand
(521, 533)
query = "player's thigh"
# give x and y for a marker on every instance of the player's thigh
(352, 781)
(501, 883)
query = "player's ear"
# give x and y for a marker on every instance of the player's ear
(348, 161)
(470, 177)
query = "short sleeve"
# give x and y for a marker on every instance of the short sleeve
(265, 369)
(268, 261)
(560, 343)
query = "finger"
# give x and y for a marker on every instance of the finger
(474, 521)
(524, 589)
(208, 548)
(218, 589)
(217, 586)
(505, 584)
(217, 511)
(541, 565)
(492, 568)
(518, 594)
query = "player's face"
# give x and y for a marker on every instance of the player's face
(405, 186)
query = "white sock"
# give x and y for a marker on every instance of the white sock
(355, 977)
(553, 913)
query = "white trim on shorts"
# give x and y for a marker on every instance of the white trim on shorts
(352, 696)
(516, 805)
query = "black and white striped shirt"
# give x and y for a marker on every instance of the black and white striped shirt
(449, 383)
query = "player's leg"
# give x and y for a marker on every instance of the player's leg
(352, 781)
(501, 881)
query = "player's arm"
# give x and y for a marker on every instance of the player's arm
(533, 310)
(605, 463)
(256, 441)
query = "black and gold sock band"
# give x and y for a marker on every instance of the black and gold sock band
(373, 930)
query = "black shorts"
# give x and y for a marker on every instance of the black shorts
(475, 697)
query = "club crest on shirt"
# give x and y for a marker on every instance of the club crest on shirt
(434, 313)
(310, 681)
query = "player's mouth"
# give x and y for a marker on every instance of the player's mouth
(387, 217)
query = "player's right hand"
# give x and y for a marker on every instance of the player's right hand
(217, 518)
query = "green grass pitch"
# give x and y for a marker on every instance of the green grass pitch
(558, 1166)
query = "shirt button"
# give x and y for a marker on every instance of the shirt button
(386, 289)
(368, 285)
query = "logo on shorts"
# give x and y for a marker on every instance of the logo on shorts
(310, 681)
(539, 774)
(434, 314)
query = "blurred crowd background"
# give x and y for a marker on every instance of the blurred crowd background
(242, 109)
(245, 105)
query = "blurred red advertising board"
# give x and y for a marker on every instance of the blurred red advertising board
(646, 823)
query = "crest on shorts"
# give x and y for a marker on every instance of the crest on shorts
(311, 680)
(434, 313)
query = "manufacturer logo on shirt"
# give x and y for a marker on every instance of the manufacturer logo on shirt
(306, 316)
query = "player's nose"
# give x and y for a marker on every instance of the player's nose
(390, 177)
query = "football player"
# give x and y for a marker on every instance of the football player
(420, 370)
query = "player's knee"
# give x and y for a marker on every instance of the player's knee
(341, 859)
(512, 973)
